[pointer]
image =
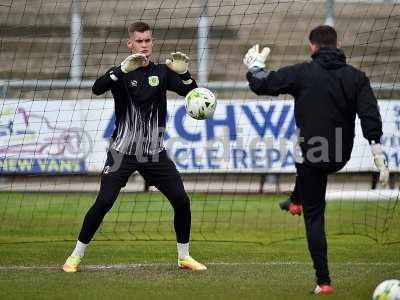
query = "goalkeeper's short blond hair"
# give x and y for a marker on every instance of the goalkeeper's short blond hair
(138, 26)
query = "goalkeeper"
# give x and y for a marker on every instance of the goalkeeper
(139, 88)
(328, 94)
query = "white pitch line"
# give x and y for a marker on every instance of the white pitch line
(149, 265)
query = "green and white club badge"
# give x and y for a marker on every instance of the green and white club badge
(153, 80)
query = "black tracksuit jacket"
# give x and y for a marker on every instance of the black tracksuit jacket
(328, 94)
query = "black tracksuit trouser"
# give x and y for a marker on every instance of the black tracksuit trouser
(310, 190)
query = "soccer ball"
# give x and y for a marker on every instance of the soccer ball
(387, 290)
(200, 103)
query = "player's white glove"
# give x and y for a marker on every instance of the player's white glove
(380, 163)
(179, 62)
(256, 59)
(132, 62)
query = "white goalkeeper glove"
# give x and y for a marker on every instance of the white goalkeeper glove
(179, 62)
(256, 59)
(132, 62)
(380, 163)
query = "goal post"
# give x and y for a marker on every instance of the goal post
(54, 133)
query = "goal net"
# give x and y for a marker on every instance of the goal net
(54, 133)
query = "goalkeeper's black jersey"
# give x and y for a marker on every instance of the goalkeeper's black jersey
(141, 105)
(328, 94)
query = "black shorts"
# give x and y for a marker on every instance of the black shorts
(153, 168)
(157, 170)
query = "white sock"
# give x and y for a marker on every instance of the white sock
(79, 249)
(183, 250)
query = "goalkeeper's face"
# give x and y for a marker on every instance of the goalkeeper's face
(141, 42)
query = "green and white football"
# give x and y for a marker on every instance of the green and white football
(200, 103)
(387, 290)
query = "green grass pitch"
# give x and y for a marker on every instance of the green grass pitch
(252, 249)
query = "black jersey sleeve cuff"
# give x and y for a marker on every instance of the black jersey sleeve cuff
(374, 140)
(116, 73)
(185, 76)
(259, 73)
